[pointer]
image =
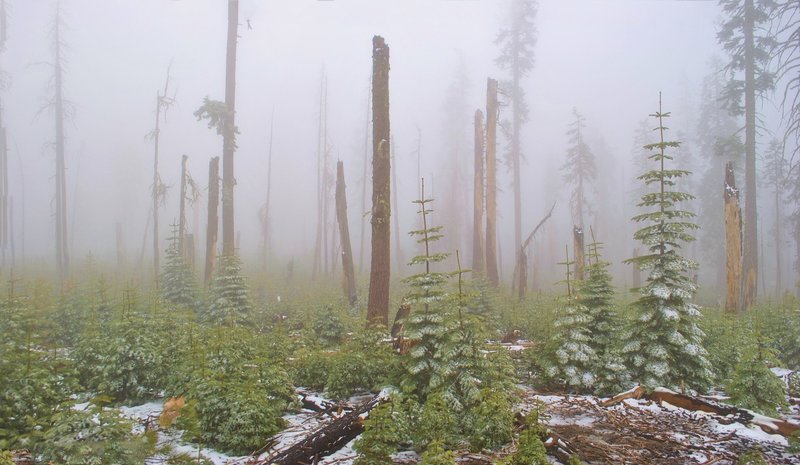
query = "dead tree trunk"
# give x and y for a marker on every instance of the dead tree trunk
(380, 267)
(62, 255)
(577, 238)
(229, 135)
(395, 193)
(344, 233)
(4, 202)
(733, 242)
(491, 183)
(478, 258)
(162, 103)
(317, 264)
(364, 184)
(267, 225)
(182, 210)
(213, 219)
(325, 440)
(521, 268)
(120, 249)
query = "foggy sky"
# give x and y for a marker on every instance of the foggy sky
(607, 58)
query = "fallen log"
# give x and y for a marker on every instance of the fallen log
(696, 404)
(326, 439)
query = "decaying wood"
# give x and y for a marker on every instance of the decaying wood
(733, 242)
(326, 439)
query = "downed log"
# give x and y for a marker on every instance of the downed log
(326, 439)
(635, 393)
(696, 404)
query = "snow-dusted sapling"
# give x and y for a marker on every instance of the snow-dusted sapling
(665, 347)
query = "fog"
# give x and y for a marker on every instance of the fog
(609, 59)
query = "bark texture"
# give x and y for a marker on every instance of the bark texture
(733, 242)
(380, 267)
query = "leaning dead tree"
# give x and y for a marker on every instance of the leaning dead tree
(733, 242)
(349, 280)
(213, 219)
(380, 267)
(158, 189)
(491, 183)
(521, 268)
(478, 259)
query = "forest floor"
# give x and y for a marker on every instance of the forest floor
(634, 431)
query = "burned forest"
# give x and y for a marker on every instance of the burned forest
(371, 232)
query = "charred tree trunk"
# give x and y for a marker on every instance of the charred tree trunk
(344, 233)
(62, 252)
(750, 264)
(733, 242)
(213, 219)
(182, 211)
(380, 267)
(491, 183)
(478, 258)
(229, 135)
(580, 263)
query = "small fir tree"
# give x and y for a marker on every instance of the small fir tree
(381, 432)
(177, 280)
(229, 303)
(665, 347)
(574, 357)
(753, 385)
(430, 326)
(597, 295)
(436, 454)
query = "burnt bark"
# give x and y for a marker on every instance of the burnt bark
(380, 267)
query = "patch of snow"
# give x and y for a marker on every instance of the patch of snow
(142, 412)
(344, 456)
(752, 432)
(583, 420)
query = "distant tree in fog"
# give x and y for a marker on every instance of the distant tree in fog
(579, 169)
(743, 34)
(516, 42)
